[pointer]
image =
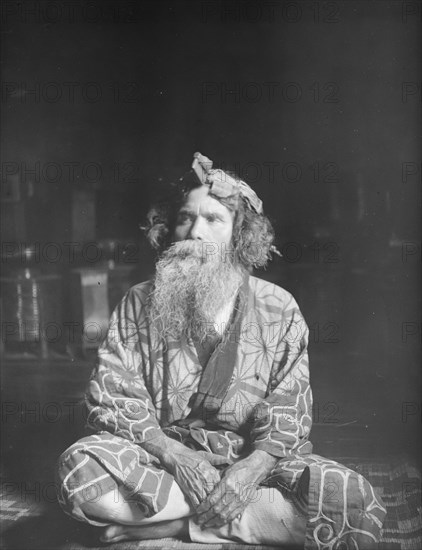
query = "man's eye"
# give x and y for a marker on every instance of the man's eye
(211, 219)
(184, 217)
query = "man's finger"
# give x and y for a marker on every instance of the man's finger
(220, 493)
(209, 473)
(236, 513)
(226, 515)
(213, 515)
(223, 511)
(196, 493)
(212, 477)
(210, 501)
(193, 498)
(220, 509)
(217, 460)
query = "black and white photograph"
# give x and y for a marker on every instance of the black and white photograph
(210, 275)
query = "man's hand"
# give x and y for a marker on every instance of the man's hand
(236, 490)
(194, 471)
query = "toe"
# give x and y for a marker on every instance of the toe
(111, 534)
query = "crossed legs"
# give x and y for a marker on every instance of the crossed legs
(269, 520)
(86, 465)
(129, 523)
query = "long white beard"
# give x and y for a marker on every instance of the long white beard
(191, 287)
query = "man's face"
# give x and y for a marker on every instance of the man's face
(203, 218)
(192, 283)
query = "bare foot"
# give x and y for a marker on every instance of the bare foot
(176, 528)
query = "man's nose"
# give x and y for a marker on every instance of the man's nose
(197, 229)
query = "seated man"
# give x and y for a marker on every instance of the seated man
(200, 405)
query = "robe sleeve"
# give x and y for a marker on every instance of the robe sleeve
(117, 398)
(281, 423)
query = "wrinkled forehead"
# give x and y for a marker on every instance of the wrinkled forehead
(200, 200)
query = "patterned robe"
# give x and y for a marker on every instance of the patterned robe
(253, 393)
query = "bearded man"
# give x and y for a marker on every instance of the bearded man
(200, 404)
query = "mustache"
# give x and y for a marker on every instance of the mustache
(204, 251)
(183, 249)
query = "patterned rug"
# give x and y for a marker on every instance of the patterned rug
(31, 520)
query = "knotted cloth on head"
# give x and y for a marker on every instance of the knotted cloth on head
(223, 185)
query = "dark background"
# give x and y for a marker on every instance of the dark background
(316, 104)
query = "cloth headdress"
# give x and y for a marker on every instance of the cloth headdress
(223, 185)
